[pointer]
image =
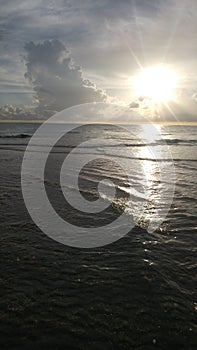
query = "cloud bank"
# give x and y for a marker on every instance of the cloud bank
(58, 83)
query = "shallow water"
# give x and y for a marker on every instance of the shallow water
(136, 293)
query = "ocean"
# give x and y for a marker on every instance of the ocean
(134, 291)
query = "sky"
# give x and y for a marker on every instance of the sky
(57, 54)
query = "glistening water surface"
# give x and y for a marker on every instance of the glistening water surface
(136, 293)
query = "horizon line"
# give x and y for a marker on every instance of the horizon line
(104, 122)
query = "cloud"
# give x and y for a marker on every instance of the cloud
(3, 34)
(57, 81)
(134, 105)
(10, 112)
(182, 111)
(194, 96)
(109, 40)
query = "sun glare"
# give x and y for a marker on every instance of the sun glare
(155, 83)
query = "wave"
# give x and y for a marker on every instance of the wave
(21, 147)
(15, 136)
(178, 141)
(125, 144)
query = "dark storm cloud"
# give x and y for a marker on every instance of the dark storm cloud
(57, 81)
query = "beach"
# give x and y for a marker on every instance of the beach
(135, 293)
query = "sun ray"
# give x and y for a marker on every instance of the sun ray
(171, 111)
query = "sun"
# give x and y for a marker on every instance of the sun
(156, 83)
